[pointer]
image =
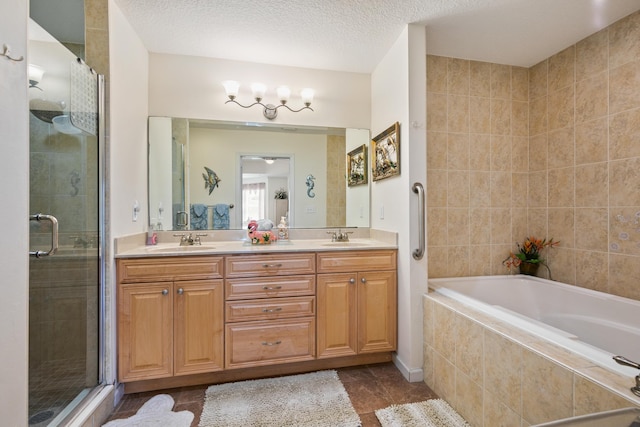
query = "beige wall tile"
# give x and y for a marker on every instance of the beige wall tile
(444, 378)
(503, 370)
(479, 226)
(623, 40)
(520, 154)
(496, 413)
(561, 148)
(457, 227)
(624, 271)
(480, 260)
(437, 112)
(479, 115)
(591, 141)
(468, 399)
(500, 81)
(444, 332)
(427, 321)
(480, 152)
(562, 226)
(562, 69)
(624, 134)
(437, 260)
(436, 150)
(500, 189)
(519, 190)
(592, 270)
(428, 366)
(561, 187)
(500, 116)
(96, 14)
(560, 108)
(537, 219)
(458, 261)
(538, 189)
(562, 263)
(458, 189)
(500, 153)
(538, 115)
(458, 113)
(519, 224)
(592, 97)
(624, 224)
(592, 229)
(624, 182)
(520, 84)
(437, 73)
(458, 151)
(469, 349)
(592, 185)
(458, 76)
(538, 80)
(480, 192)
(520, 118)
(624, 87)
(480, 79)
(500, 226)
(556, 399)
(436, 226)
(436, 188)
(591, 397)
(592, 55)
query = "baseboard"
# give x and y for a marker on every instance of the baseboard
(412, 375)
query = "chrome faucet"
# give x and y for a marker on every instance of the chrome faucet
(339, 236)
(626, 362)
(189, 240)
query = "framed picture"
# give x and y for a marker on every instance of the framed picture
(357, 172)
(385, 153)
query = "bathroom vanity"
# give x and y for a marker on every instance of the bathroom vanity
(232, 311)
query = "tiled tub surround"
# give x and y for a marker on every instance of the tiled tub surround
(552, 150)
(496, 374)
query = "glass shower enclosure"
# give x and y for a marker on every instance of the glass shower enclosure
(66, 236)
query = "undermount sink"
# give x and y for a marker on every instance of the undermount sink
(345, 244)
(194, 248)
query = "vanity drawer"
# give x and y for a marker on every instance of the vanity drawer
(268, 287)
(134, 270)
(264, 343)
(347, 261)
(270, 265)
(271, 308)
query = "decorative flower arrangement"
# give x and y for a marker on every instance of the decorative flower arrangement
(260, 237)
(529, 253)
(281, 194)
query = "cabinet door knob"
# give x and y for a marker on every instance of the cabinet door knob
(352, 280)
(363, 280)
(165, 292)
(180, 291)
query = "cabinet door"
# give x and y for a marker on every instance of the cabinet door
(198, 326)
(336, 312)
(145, 331)
(377, 311)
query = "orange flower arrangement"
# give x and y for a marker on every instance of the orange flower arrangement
(529, 251)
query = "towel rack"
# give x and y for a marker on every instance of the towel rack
(230, 206)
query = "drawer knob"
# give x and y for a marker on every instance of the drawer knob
(271, 310)
(363, 280)
(180, 291)
(352, 280)
(271, 288)
(165, 292)
(272, 265)
(271, 343)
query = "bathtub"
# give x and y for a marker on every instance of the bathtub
(592, 324)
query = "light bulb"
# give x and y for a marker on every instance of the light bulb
(258, 90)
(307, 96)
(283, 94)
(231, 88)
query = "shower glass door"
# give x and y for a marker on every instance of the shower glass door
(65, 185)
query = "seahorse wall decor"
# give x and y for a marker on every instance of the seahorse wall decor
(310, 185)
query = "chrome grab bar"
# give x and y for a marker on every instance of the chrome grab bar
(419, 190)
(54, 234)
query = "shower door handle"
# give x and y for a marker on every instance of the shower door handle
(54, 234)
(419, 190)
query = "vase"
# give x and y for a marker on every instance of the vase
(529, 268)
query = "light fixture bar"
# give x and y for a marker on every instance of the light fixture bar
(258, 90)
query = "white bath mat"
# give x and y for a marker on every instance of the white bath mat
(155, 412)
(430, 413)
(317, 399)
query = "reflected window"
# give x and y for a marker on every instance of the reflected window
(254, 206)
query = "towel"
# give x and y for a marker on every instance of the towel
(221, 217)
(199, 217)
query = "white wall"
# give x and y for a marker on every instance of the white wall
(398, 94)
(14, 211)
(127, 143)
(191, 87)
(358, 196)
(160, 149)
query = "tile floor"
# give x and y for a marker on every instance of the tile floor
(370, 387)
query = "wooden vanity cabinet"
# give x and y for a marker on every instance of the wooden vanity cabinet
(270, 309)
(170, 317)
(356, 302)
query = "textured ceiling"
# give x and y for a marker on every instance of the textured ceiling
(354, 35)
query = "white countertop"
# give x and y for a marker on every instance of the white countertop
(244, 247)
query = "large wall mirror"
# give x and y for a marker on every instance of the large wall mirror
(208, 175)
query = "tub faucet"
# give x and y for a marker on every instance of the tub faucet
(626, 362)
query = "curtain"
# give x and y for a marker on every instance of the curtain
(254, 198)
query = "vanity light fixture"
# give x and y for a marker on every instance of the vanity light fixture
(35, 75)
(231, 87)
